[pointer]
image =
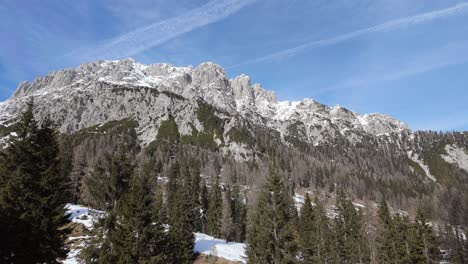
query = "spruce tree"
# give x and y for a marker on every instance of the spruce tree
(239, 215)
(180, 218)
(110, 180)
(325, 251)
(204, 204)
(351, 241)
(33, 194)
(134, 232)
(400, 241)
(227, 223)
(424, 247)
(195, 191)
(271, 236)
(139, 221)
(215, 213)
(386, 239)
(307, 232)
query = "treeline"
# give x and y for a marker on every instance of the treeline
(276, 231)
(278, 235)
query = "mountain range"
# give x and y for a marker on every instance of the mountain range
(235, 119)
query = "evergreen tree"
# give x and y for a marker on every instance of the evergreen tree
(110, 180)
(400, 241)
(351, 242)
(271, 236)
(195, 191)
(215, 213)
(325, 252)
(307, 232)
(135, 232)
(180, 218)
(386, 237)
(227, 223)
(33, 194)
(239, 215)
(424, 247)
(393, 241)
(204, 204)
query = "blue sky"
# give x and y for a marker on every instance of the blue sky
(408, 59)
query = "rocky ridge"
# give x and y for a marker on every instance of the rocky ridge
(102, 91)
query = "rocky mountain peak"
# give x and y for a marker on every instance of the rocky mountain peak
(90, 87)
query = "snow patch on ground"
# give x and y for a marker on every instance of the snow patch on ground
(457, 156)
(83, 215)
(204, 244)
(208, 245)
(72, 257)
(415, 157)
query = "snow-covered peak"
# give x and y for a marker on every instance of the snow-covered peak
(209, 82)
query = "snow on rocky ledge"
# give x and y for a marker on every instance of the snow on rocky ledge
(456, 155)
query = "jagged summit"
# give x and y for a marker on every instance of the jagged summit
(91, 94)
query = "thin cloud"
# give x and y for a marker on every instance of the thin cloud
(385, 27)
(155, 34)
(452, 54)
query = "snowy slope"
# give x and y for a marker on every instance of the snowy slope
(204, 244)
(208, 245)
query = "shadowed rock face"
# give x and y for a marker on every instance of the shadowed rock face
(102, 91)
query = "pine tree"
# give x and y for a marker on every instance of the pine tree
(204, 204)
(33, 194)
(239, 215)
(196, 195)
(307, 232)
(227, 223)
(134, 232)
(271, 236)
(325, 251)
(387, 239)
(400, 241)
(140, 215)
(215, 213)
(110, 180)
(394, 245)
(424, 247)
(351, 242)
(180, 217)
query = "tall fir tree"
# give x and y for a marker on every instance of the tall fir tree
(33, 194)
(239, 214)
(387, 243)
(393, 237)
(271, 235)
(204, 205)
(180, 217)
(227, 222)
(195, 190)
(308, 237)
(351, 242)
(424, 246)
(110, 180)
(215, 213)
(137, 234)
(325, 252)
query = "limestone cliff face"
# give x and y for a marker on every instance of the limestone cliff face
(102, 91)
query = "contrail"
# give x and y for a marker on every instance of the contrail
(155, 34)
(387, 26)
